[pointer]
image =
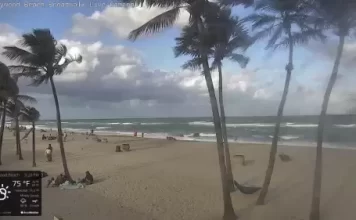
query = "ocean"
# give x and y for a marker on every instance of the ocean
(295, 130)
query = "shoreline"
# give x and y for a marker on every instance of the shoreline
(326, 145)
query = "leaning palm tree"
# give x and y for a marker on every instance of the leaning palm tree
(41, 58)
(14, 108)
(201, 11)
(340, 17)
(286, 23)
(232, 36)
(32, 115)
(8, 89)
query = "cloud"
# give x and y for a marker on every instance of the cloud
(115, 81)
(118, 20)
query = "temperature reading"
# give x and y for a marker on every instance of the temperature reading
(20, 193)
(18, 183)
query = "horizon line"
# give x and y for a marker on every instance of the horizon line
(193, 117)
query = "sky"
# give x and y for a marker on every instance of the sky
(120, 78)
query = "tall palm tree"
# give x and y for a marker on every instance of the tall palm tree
(14, 108)
(232, 36)
(340, 17)
(8, 89)
(41, 59)
(286, 24)
(200, 12)
(32, 115)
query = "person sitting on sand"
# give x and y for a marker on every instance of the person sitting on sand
(59, 180)
(48, 153)
(44, 137)
(88, 179)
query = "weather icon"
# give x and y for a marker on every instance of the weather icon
(4, 192)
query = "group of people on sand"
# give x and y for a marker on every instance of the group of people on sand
(61, 179)
(50, 137)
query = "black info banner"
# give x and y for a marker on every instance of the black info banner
(20, 193)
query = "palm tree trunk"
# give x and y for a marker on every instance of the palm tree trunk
(229, 213)
(59, 136)
(273, 151)
(33, 144)
(18, 141)
(230, 177)
(315, 207)
(2, 127)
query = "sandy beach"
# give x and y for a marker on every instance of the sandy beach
(180, 180)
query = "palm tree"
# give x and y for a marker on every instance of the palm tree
(42, 59)
(340, 17)
(32, 115)
(286, 24)
(14, 108)
(232, 36)
(8, 89)
(201, 11)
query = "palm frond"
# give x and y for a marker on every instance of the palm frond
(266, 32)
(193, 64)
(59, 68)
(246, 3)
(301, 38)
(38, 80)
(21, 56)
(30, 114)
(25, 71)
(156, 3)
(260, 20)
(157, 23)
(26, 98)
(61, 51)
(240, 59)
(278, 31)
(41, 43)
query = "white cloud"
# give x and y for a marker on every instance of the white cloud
(118, 20)
(115, 81)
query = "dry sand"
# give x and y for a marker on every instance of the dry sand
(176, 180)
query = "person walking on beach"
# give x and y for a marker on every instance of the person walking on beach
(48, 153)
(65, 136)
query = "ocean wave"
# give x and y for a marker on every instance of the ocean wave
(294, 125)
(207, 135)
(206, 123)
(114, 123)
(201, 123)
(153, 123)
(345, 126)
(286, 137)
(102, 128)
(251, 125)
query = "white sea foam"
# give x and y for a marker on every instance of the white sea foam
(289, 137)
(345, 126)
(153, 123)
(206, 123)
(201, 123)
(102, 128)
(294, 125)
